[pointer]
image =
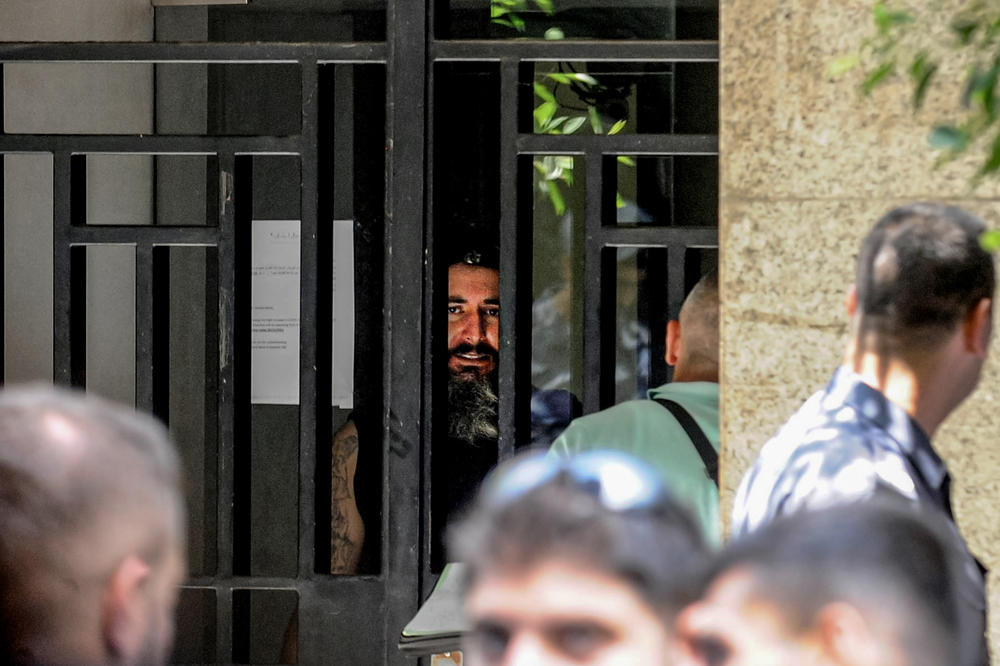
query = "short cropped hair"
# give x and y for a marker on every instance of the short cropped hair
(656, 550)
(699, 319)
(885, 556)
(81, 480)
(920, 272)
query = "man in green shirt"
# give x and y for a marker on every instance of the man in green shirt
(650, 431)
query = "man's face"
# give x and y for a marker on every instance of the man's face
(559, 612)
(730, 627)
(473, 320)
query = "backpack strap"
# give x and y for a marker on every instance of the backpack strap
(708, 454)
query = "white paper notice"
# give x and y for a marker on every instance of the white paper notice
(274, 340)
(343, 313)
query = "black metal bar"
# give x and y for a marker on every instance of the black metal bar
(326, 194)
(324, 585)
(62, 273)
(160, 332)
(593, 285)
(630, 144)
(193, 52)
(149, 144)
(3, 243)
(434, 422)
(242, 192)
(77, 308)
(590, 50)
(515, 275)
(144, 323)
(225, 357)
(151, 234)
(225, 353)
(404, 266)
(675, 279)
(309, 407)
(650, 236)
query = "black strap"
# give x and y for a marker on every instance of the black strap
(708, 454)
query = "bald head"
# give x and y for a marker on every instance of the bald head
(88, 491)
(693, 340)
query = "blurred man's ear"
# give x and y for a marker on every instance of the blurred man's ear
(846, 636)
(124, 610)
(977, 327)
(851, 300)
(673, 342)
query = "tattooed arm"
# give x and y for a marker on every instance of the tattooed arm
(347, 531)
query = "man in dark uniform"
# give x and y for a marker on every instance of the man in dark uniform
(921, 320)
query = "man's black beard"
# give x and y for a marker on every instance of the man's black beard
(472, 409)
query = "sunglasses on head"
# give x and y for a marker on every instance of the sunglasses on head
(617, 480)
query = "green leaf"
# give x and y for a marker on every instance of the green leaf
(619, 200)
(844, 64)
(964, 28)
(573, 124)
(945, 137)
(559, 77)
(993, 162)
(545, 6)
(921, 71)
(617, 127)
(885, 18)
(543, 113)
(517, 21)
(583, 77)
(496, 11)
(556, 122)
(626, 160)
(989, 240)
(595, 120)
(876, 77)
(544, 92)
(554, 33)
(556, 197)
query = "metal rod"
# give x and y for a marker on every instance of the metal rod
(194, 52)
(589, 50)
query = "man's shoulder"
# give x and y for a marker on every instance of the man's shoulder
(819, 457)
(613, 427)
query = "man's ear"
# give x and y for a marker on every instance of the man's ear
(845, 635)
(673, 342)
(123, 618)
(977, 327)
(851, 300)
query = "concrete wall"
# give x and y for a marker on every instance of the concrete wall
(807, 166)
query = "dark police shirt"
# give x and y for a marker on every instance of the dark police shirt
(845, 444)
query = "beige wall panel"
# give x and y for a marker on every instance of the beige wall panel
(807, 166)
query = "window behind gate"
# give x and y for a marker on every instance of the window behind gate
(239, 216)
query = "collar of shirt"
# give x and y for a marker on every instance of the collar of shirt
(847, 388)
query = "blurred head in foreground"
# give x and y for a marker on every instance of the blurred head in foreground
(856, 585)
(579, 561)
(91, 531)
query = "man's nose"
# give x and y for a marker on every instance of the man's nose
(474, 329)
(526, 649)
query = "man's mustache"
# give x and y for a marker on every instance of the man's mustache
(481, 348)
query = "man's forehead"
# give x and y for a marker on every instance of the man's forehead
(465, 279)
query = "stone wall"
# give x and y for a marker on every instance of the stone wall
(807, 166)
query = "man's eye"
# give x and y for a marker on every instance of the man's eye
(490, 641)
(493, 312)
(580, 641)
(454, 309)
(713, 651)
